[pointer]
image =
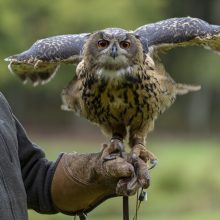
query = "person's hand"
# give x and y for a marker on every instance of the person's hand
(83, 181)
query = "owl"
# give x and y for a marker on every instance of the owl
(120, 84)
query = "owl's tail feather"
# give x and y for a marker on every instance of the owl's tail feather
(182, 89)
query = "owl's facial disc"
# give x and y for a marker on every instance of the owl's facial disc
(114, 57)
(114, 51)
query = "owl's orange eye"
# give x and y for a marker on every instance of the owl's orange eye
(103, 43)
(125, 44)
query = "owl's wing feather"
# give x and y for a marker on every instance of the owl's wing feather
(40, 63)
(168, 34)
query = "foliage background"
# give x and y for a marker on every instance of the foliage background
(193, 117)
(23, 22)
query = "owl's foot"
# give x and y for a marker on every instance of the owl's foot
(139, 150)
(116, 145)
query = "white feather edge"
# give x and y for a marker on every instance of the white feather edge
(42, 82)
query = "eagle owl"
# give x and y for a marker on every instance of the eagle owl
(120, 83)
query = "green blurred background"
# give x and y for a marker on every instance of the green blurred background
(186, 183)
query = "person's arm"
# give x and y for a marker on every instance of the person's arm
(37, 173)
(74, 183)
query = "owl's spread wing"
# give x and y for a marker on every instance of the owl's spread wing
(40, 63)
(165, 35)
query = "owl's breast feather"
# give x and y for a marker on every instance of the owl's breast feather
(113, 75)
(118, 99)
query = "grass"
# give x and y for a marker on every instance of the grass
(184, 186)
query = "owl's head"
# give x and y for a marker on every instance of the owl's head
(113, 49)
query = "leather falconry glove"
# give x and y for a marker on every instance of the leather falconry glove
(83, 181)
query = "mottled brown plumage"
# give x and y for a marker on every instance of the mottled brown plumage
(123, 95)
(127, 105)
(120, 83)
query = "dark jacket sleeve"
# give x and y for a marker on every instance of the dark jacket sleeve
(37, 173)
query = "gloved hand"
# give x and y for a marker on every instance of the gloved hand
(83, 181)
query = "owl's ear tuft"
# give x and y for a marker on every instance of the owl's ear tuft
(88, 35)
(144, 42)
(137, 36)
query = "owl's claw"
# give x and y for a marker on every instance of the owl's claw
(141, 171)
(109, 157)
(116, 145)
(153, 164)
(140, 151)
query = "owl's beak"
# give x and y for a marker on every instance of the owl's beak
(114, 51)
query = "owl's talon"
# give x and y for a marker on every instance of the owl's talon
(140, 151)
(134, 158)
(120, 148)
(153, 163)
(109, 157)
(117, 144)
